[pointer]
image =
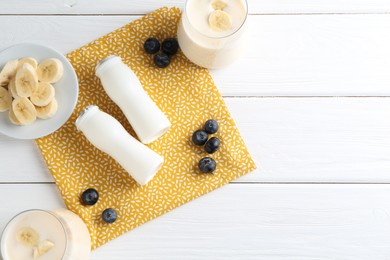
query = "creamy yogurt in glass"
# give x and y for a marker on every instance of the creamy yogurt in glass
(30, 231)
(211, 33)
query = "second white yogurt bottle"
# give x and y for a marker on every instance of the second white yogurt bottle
(125, 89)
(109, 136)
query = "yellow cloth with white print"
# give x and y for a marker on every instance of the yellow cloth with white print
(184, 92)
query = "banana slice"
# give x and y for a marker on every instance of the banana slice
(43, 95)
(47, 111)
(24, 110)
(218, 4)
(36, 253)
(5, 99)
(26, 80)
(13, 118)
(50, 70)
(12, 88)
(220, 21)
(33, 62)
(42, 249)
(27, 236)
(8, 72)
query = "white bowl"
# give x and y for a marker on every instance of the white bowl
(67, 90)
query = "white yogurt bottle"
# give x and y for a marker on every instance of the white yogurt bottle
(124, 88)
(46, 235)
(212, 33)
(109, 136)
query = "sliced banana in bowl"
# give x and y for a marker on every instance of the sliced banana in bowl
(8, 72)
(38, 90)
(13, 118)
(24, 110)
(43, 94)
(47, 111)
(30, 94)
(33, 62)
(12, 88)
(26, 80)
(50, 70)
(5, 99)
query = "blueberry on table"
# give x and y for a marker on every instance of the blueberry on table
(200, 137)
(212, 145)
(211, 126)
(109, 215)
(207, 165)
(170, 46)
(90, 197)
(161, 60)
(152, 45)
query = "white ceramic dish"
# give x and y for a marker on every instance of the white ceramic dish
(66, 92)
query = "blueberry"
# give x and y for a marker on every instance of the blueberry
(90, 197)
(200, 137)
(109, 215)
(152, 45)
(207, 165)
(170, 46)
(212, 145)
(161, 60)
(211, 126)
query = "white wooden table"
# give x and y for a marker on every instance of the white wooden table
(312, 100)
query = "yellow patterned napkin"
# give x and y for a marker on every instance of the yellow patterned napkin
(187, 95)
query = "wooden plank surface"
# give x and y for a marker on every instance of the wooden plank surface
(269, 221)
(294, 137)
(292, 140)
(290, 55)
(145, 6)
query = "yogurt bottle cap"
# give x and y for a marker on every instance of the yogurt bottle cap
(84, 114)
(105, 62)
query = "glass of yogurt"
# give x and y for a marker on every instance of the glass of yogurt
(46, 235)
(211, 33)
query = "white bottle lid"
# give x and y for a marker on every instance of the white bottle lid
(105, 63)
(87, 112)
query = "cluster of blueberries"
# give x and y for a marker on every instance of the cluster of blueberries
(169, 47)
(201, 138)
(90, 197)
